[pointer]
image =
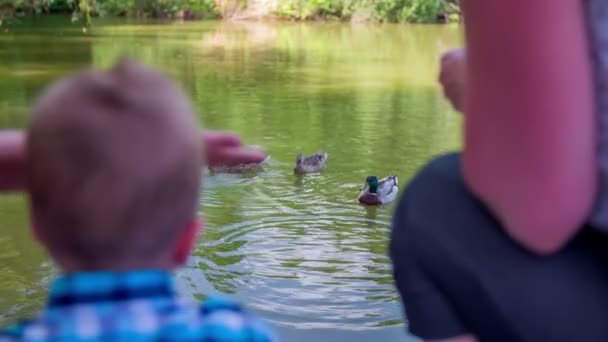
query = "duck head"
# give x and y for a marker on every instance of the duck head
(372, 182)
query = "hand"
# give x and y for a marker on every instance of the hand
(452, 76)
(225, 149)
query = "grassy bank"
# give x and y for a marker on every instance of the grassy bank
(414, 11)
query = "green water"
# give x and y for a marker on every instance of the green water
(298, 251)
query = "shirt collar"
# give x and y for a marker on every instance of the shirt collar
(90, 287)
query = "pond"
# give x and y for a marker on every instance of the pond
(299, 251)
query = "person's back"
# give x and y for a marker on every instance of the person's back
(114, 174)
(597, 20)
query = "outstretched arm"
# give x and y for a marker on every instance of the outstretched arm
(221, 149)
(529, 134)
(226, 149)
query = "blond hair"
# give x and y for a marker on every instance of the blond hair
(114, 165)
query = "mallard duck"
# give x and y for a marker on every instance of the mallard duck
(242, 168)
(379, 192)
(314, 163)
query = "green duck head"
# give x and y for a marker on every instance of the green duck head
(372, 181)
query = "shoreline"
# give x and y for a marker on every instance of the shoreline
(240, 17)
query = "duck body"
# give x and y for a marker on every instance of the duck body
(242, 168)
(376, 192)
(310, 164)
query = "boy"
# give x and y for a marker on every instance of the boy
(114, 174)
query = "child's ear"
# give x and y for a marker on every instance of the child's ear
(186, 241)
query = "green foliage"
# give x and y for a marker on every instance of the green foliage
(189, 8)
(84, 9)
(160, 8)
(409, 10)
(310, 9)
(118, 7)
(9, 8)
(416, 11)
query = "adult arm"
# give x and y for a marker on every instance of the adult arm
(225, 149)
(221, 149)
(529, 134)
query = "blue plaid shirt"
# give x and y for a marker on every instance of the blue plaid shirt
(133, 306)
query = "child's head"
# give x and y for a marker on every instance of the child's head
(114, 170)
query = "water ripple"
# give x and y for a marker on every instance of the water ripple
(299, 250)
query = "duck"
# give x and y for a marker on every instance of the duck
(314, 163)
(242, 168)
(376, 192)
